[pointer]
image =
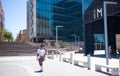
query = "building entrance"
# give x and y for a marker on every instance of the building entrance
(99, 46)
(99, 42)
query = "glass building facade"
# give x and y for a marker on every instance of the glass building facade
(44, 15)
(67, 13)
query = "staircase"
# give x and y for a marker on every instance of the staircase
(17, 49)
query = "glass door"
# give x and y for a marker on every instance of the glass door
(99, 42)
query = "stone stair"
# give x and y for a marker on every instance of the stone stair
(17, 49)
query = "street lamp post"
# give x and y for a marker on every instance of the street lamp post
(75, 37)
(83, 7)
(105, 28)
(57, 36)
(78, 41)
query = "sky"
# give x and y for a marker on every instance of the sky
(15, 15)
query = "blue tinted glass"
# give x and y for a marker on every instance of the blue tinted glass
(99, 38)
(43, 10)
(67, 13)
(55, 1)
(86, 4)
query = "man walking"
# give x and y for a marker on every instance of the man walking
(41, 56)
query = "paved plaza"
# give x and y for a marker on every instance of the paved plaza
(28, 66)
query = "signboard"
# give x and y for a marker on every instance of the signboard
(97, 13)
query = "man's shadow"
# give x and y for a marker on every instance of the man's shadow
(38, 71)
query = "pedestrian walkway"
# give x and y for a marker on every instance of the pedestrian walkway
(28, 65)
(12, 70)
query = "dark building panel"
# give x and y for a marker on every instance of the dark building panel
(95, 10)
(94, 25)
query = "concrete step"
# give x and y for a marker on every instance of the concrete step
(16, 48)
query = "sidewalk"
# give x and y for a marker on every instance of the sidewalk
(12, 70)
(27, 65)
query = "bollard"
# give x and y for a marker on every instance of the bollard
(47, 53)
(71, 58)
(52, 54)
(56, 53)
(60, 56)
(89, 61)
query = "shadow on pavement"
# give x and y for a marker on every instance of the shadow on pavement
(38, 71)
(105, 73)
